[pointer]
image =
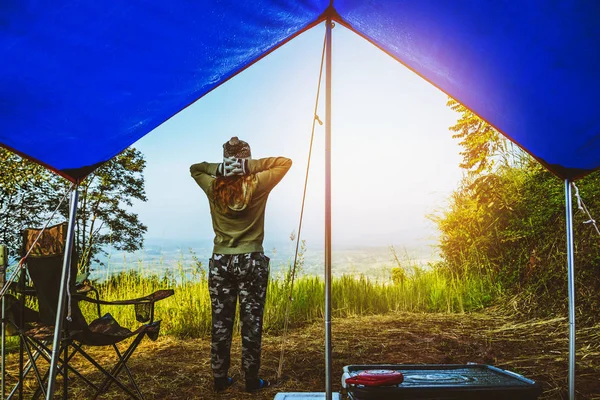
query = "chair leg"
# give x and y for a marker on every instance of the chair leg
(107, 374)
(123, 363)
(66, 372)
(43, 349)
(34, 365)
(127, 371)
(21, 367)
(28, 367)
(64, 364)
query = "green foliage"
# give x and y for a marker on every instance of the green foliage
(29, 193)
(398, 272)
(23, 186)
(478, 139)
(104, 215)
(506, 221)
(188, 312)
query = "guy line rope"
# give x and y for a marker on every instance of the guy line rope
(582, 207)
(293, 275)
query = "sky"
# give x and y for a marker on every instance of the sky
(393, 158)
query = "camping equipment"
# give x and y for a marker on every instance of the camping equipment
(43, 265)
(448, 382)
(530, 74)
(376, 377)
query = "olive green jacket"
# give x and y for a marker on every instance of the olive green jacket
(238, 232)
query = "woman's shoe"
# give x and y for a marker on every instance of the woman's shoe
(222, 384)
(257, 384)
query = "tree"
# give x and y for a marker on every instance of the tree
(104, 216)
(472, 228)
(507, 220)
(484, 149)
(23, 186)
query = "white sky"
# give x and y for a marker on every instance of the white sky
(393, 157)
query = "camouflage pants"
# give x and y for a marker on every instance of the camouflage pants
(233, 276)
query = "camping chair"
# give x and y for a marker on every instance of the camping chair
(44, 267)
(15, 316)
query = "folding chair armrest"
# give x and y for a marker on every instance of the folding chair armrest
(84, 288)
(144, 306)
(152, 298)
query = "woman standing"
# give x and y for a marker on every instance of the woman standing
(237, 191)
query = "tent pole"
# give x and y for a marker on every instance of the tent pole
(571, 283)
(60, 309)
(3, 383)
(3, 266)
(328, 363)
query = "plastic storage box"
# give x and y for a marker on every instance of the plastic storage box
(447, 382)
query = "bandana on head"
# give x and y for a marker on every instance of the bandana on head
(236, 148)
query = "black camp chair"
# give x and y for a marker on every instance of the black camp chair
(44, 267)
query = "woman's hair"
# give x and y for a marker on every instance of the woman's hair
(233, 192)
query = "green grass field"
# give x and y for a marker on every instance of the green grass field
(188, 312)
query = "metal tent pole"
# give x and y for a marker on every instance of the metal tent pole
(3, 266)
(3, 383)
(60, 309)
(571, 283)
(328, 391)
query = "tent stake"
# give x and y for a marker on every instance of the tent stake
(328, 391)
(60, 309)
(571, 283)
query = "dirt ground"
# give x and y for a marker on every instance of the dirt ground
(538, 349)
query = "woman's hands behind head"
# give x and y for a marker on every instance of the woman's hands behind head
(232, 166)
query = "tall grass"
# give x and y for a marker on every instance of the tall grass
(188, 312)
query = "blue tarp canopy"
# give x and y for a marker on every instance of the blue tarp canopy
(81, 80)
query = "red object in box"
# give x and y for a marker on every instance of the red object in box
(376, 377)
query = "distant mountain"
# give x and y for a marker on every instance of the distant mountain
(161, 255)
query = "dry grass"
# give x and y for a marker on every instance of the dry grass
(179, 369)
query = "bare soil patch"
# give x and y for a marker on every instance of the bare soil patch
(173, 368)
